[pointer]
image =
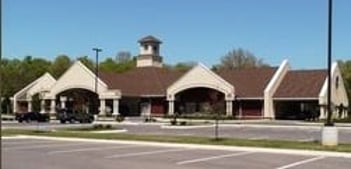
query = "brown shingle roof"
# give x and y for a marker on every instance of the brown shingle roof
(149, 81)
(248, 82)
(301, 83)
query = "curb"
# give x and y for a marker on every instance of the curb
(196, 146)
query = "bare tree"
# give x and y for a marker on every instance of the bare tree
(240, 58)
(123, 56)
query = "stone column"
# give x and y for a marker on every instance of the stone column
(229, 108)
(322, 113)
(63, 100)
(52, 106)
(240, 110)
(102, 107)
(170, 107)
(15, 106)
(115, 107)
(29, 108)
(42, 106)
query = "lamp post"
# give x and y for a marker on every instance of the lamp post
(97, 50)
(329, 131)
(329, 106)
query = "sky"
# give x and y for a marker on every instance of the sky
(191, 30)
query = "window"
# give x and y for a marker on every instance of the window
(145, 47)
(155, 48)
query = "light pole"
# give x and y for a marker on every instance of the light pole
(97, 50)
(329, 131)
(329, 106)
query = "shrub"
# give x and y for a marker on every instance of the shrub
(174, 122)
(98, 126)
(182, 123)
(108, 126)
(119, 118)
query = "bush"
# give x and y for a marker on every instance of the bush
(119, 118)
(98, 126)
(174, 121)
(182, 123)
(108, 126)
(101, 126)
(150, 119)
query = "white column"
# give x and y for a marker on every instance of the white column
(15, 106)
(102, 107)
(42, 106)
(63, 100)
(52, 106)
(115, 107)
(229, 108)
(170, 107)
(29, 108)
(322, 113)
(343, 113)
(240, 110)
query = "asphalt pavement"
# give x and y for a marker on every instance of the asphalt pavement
(34, 153)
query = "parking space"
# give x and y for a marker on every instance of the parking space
(58, 154)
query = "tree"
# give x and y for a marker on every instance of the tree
(183, 66)
(87, 62)
(240, 58)
(60, 65)
(123, 56)
(345, 67)
(109, 65)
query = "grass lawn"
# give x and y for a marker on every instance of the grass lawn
(182, 139)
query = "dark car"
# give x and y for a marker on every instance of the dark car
(65, 115)
(32, 116)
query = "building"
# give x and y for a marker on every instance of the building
(151, 90)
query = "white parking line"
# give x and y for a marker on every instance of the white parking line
(44, 146)
(91, 149)
(301, 162)
(147, 153)
(214, 157)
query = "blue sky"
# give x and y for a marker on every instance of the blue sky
(192, 30)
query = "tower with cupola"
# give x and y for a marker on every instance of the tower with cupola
(149, 55)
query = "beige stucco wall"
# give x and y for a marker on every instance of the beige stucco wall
(77, 76)
(41, 85)
(148, 63)
(201, 76)
(274, 83)
(339, 95)
(44, 85)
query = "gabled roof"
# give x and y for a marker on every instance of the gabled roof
(248, 82)
(301, 84)
(41, 84)
(143, 81)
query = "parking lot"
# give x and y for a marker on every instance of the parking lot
(36, 153)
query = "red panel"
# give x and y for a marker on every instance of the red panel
(157, 107)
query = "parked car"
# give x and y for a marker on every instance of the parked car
(65, 115)
(32, 116)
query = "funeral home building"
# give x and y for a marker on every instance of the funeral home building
(153, 90)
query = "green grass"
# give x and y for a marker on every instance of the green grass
(183, 139)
